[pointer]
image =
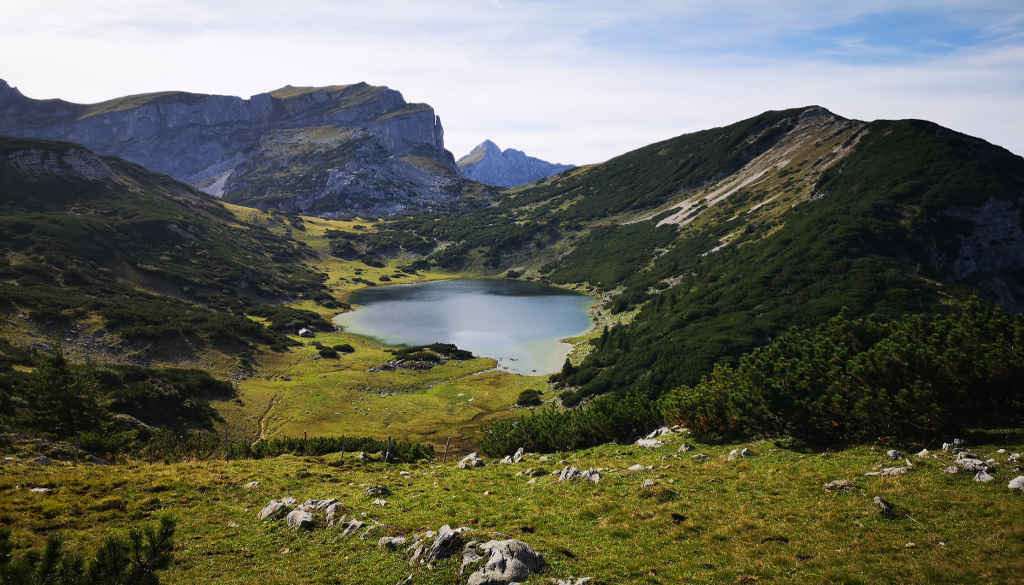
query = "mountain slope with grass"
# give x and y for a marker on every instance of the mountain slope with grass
(100, 251)
(335, 150)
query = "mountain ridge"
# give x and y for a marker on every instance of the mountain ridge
(319, 150)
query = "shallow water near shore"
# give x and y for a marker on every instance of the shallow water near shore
(518, 323)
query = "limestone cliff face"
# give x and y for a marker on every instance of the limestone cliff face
(330, 150)
(488, 164)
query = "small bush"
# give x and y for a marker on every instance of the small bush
(345, 348)
(529, 397)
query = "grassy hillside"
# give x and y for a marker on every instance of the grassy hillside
(762, 519)
(102, 246)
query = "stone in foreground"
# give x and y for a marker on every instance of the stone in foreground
(300, 520)
(508, 561)
(273, 510)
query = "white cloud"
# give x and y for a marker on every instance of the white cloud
(527, 75)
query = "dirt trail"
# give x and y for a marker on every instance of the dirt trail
(263, 418)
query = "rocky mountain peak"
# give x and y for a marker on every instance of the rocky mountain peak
(488, 164)
(7, 92)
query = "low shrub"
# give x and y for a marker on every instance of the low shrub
(606, 418)
(529, 397)
(118, 561)
(854, 380)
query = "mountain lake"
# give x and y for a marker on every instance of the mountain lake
(521, 324)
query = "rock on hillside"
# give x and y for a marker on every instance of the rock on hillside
(490, 165)
(345, 149)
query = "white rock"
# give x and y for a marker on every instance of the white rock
(659, 432)
(300, 519)
(649, 443)
(391, 542)
(273, 510)
(648, 483)
(983, 477)
(252, 484)
(351, 526)
(470, 461)
(508, 561)
(1017, 483)
(333, 515)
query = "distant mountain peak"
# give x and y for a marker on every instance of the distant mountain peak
(490, 165)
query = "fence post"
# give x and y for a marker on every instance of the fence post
(387, 450)
(305, 444)
(446, 443)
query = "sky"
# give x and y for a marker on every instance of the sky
(571, 82)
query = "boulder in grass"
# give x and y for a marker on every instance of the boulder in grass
(470, 461)
(273, 510)
(1017, 484)
(506, 561)
(391, 542)
(740, 453)
(377, 491)
(659, 432)
(351, 526)
(884, 506)
(840, 486)
(446, 542)
(251, 485)
(333, 514)
(983, 477)
(300, 519)
(649, 443)
(304, 332)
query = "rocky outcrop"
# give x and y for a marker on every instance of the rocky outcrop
(985, 244)
(490, 165)
(337, 150)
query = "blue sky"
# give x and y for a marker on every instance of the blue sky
(569, 81)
